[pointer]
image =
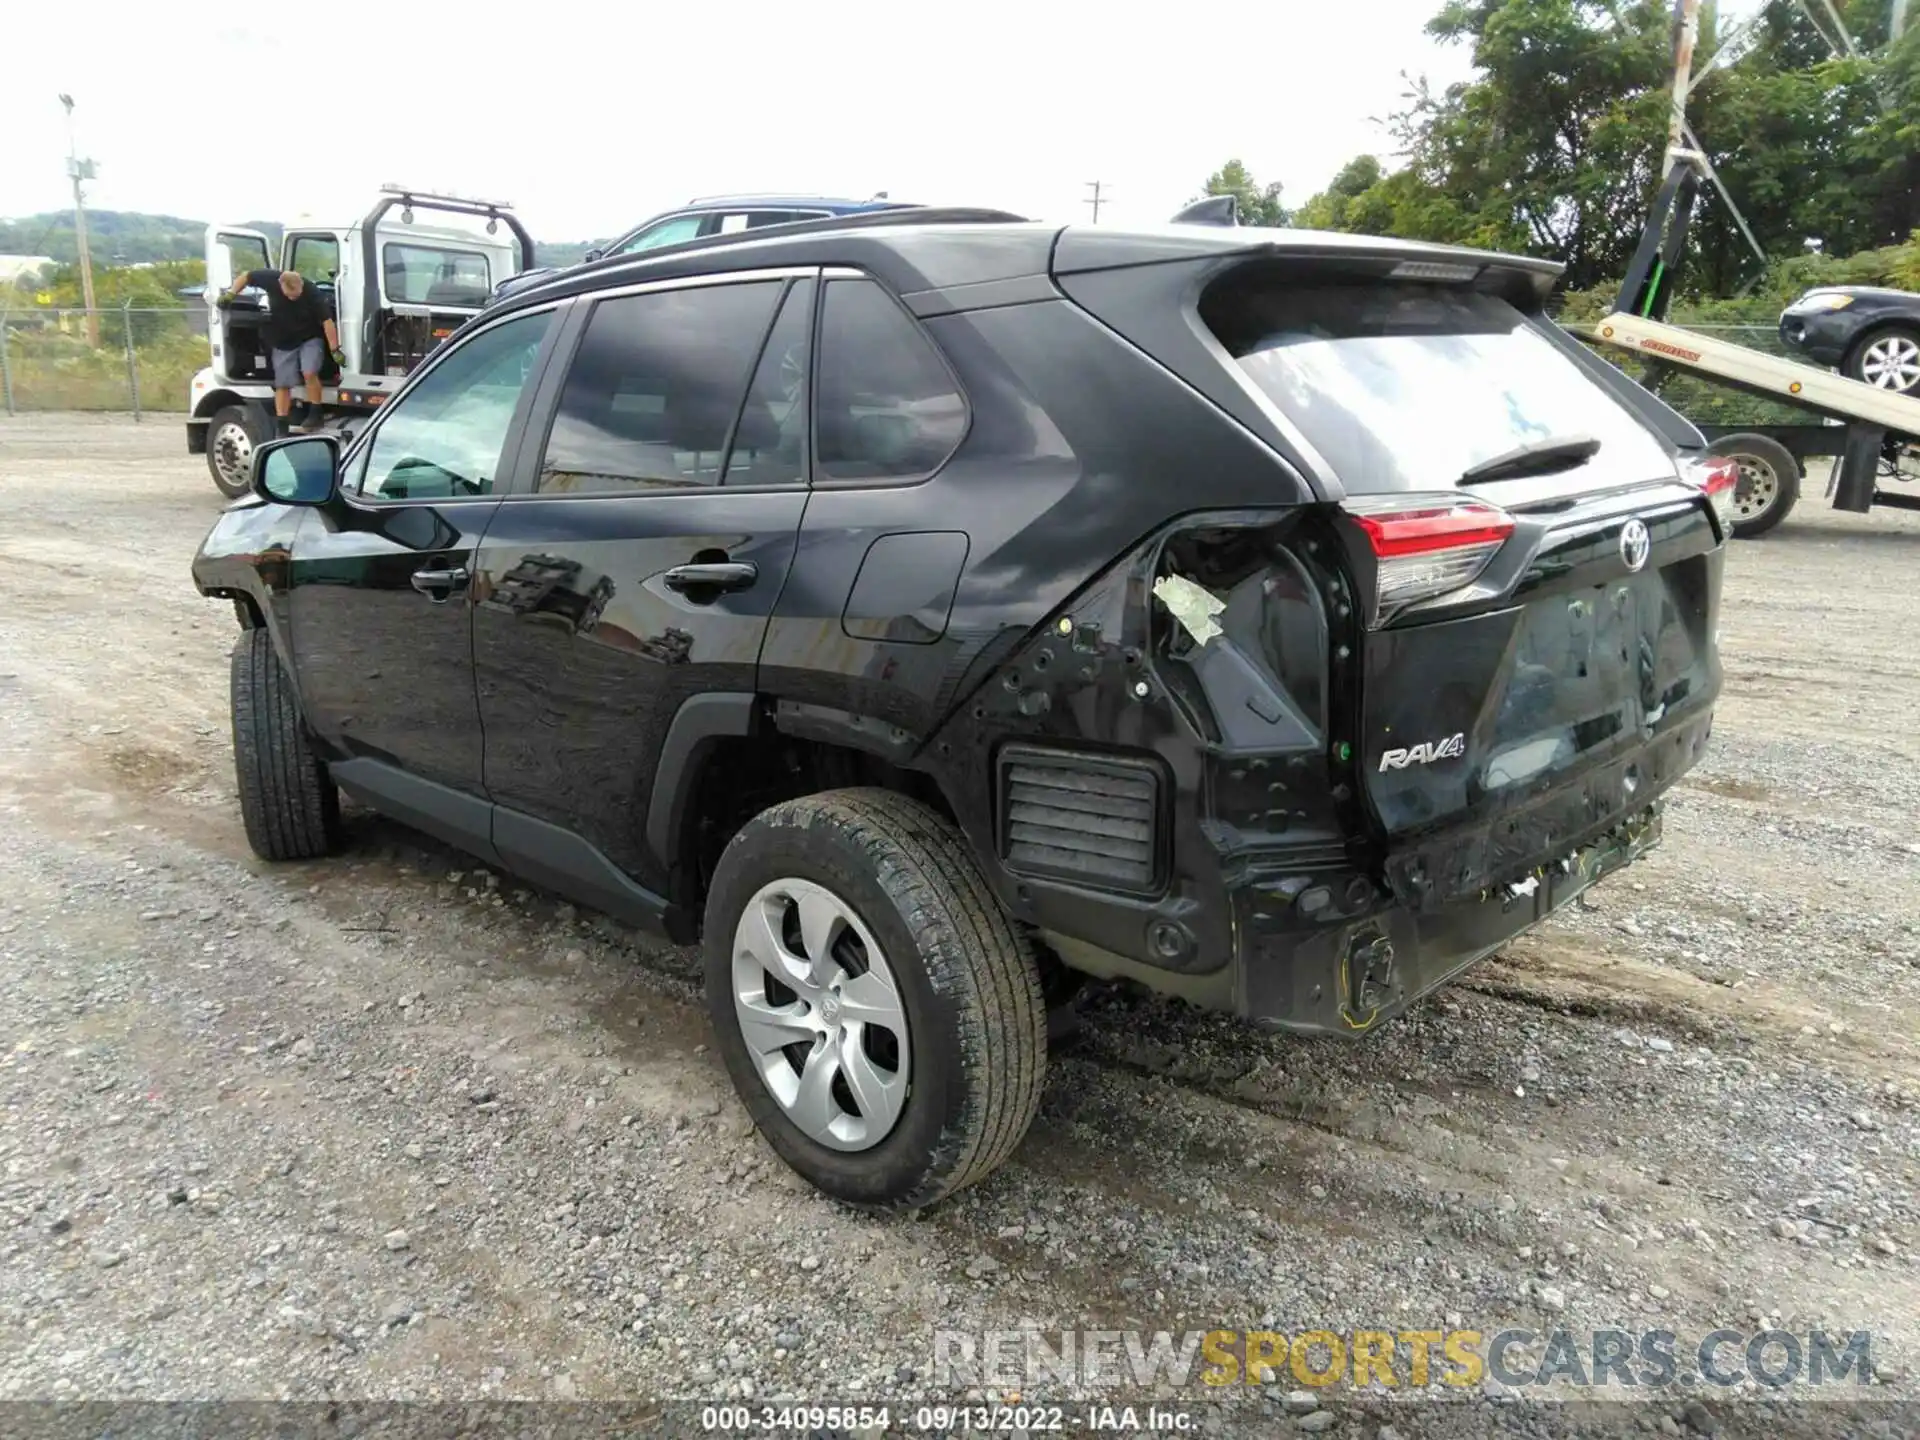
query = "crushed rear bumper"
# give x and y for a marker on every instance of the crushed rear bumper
(1344, 977)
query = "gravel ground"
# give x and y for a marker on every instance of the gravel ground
(391, 1126)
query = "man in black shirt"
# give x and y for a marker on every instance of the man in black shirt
(297, 323)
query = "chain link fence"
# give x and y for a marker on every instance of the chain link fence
(123, 359)
(1705, 403)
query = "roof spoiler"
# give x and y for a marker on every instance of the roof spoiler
(1214, 210)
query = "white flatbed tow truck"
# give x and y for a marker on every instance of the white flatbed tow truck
(1874, 428)
(399, 281)
(1871, 430)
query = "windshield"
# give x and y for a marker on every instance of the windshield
(435, 275)
(666, 232)
(1406, 387)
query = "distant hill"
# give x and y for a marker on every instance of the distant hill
(131, 237)
(126, 235)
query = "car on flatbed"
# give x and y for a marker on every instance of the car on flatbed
(1867, 332)
(924, 611)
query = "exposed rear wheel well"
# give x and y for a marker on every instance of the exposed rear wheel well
(740, 776)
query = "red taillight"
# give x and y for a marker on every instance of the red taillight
(1425, 545)
(1718, 478)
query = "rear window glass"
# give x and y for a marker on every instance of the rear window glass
(434, 275)
(1407, 386)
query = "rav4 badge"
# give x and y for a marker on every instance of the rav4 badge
(1425, 753)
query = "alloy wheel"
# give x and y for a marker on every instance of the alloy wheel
(821, 1013)
(1892, 362)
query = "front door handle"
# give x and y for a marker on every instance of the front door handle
(718, 576)
(440, 585)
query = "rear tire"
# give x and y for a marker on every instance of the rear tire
(965, 993)
(1888, 359)
(232, 435)
(287, 799)
(1769, 482)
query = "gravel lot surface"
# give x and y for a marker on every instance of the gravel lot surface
(393, 1126)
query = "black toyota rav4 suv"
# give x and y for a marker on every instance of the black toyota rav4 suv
(922, 611)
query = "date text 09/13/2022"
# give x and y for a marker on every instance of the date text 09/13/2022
(943, 1419)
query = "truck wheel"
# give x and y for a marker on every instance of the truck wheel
(231, 436)
(1769, 482)
(1888, 358)
(879, 1013)
(287, 798)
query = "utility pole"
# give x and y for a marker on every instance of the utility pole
(79, 170)
(1686, 33)
(1098, 195)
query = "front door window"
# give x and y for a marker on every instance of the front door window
(444, 439)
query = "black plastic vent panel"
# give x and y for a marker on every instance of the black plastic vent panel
(1090, 819)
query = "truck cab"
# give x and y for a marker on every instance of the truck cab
(399, 281)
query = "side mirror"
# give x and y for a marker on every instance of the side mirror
(591, 256)
(300, 470)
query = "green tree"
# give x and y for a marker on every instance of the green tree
(1333, 207)
(1555, 145)
(1259, 204)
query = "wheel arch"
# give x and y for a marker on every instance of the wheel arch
(728, 755)
(220, 397)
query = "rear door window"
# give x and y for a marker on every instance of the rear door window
(770, 440)
(887, 407)
(1405, 387)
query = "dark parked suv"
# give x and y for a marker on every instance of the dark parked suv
(921, 611)
(702, 219)
(1867, 332)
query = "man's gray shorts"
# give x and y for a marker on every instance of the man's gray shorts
(290, 365)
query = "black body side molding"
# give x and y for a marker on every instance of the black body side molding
(559, 859)
(545, 854)
(440, 810)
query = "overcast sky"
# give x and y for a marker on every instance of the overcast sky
(591, 118)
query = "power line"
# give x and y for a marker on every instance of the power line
(1098, 196)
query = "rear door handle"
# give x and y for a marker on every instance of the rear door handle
(440, 585)
(720, 576)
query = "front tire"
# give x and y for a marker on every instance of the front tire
(1888, 359)
(287, 799)
(1769, 482)
(880, 1015)
(232, 435)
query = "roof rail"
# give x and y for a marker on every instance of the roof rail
(789, 197)
(865, 220)
(408, 192)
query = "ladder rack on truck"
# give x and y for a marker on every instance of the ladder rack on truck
(1868, 428)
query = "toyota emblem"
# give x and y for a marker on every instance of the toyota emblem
(1635, 544)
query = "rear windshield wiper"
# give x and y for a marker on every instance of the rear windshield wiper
(1536, 457)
